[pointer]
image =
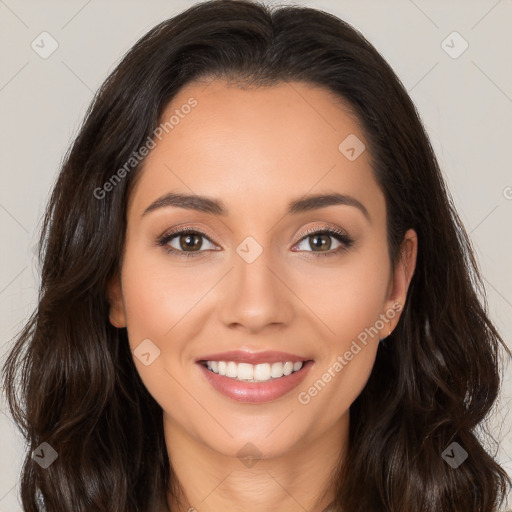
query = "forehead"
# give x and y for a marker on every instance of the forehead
(255, 146)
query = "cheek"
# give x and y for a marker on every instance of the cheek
(161, 298)
(155, 302)
(157, 295)
(348, 298)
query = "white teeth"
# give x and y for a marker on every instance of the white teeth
(288, 368)
(253, 373)
(261, 372)
(231, 369)
(244, 371)
(277, 370)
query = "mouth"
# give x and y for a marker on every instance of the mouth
(247, 372)
(254, 384)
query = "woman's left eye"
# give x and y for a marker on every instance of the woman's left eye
(179, 242)
(320, 238)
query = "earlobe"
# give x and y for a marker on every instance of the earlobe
(117, 314)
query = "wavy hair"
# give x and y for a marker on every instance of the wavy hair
(435, 379)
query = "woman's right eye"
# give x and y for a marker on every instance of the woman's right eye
(178, 241)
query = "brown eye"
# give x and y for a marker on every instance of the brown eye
(320, 241)
(186, 242)
(190, 241)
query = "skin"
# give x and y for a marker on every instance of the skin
(256, 149)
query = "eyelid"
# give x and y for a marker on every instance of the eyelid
(185, 229)
(323, 229)
(167, 236)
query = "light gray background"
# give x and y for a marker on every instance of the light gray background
(465, 104)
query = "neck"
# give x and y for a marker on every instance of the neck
(300, 478)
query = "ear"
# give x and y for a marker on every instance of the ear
(399, 284)
(117, 315)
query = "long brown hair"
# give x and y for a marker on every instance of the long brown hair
(435, 378)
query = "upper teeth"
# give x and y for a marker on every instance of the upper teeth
(253, 372)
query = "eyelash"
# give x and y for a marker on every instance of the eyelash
(341, 236)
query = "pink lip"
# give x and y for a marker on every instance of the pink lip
(244, 356)
(256, 392)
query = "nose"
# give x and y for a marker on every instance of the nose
(256, 296)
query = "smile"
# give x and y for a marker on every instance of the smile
(253, 372)
(256, 384)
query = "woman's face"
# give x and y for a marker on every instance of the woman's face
(257, 282)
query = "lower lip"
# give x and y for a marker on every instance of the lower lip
(256, 392)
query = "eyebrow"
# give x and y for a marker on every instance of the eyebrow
(217, 207)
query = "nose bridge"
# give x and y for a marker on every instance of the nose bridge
(255, 296)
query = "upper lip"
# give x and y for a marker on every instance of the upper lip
(244, 356)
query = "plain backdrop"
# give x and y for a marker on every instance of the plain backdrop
(464, 96)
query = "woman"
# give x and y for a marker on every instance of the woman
(189, 352)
